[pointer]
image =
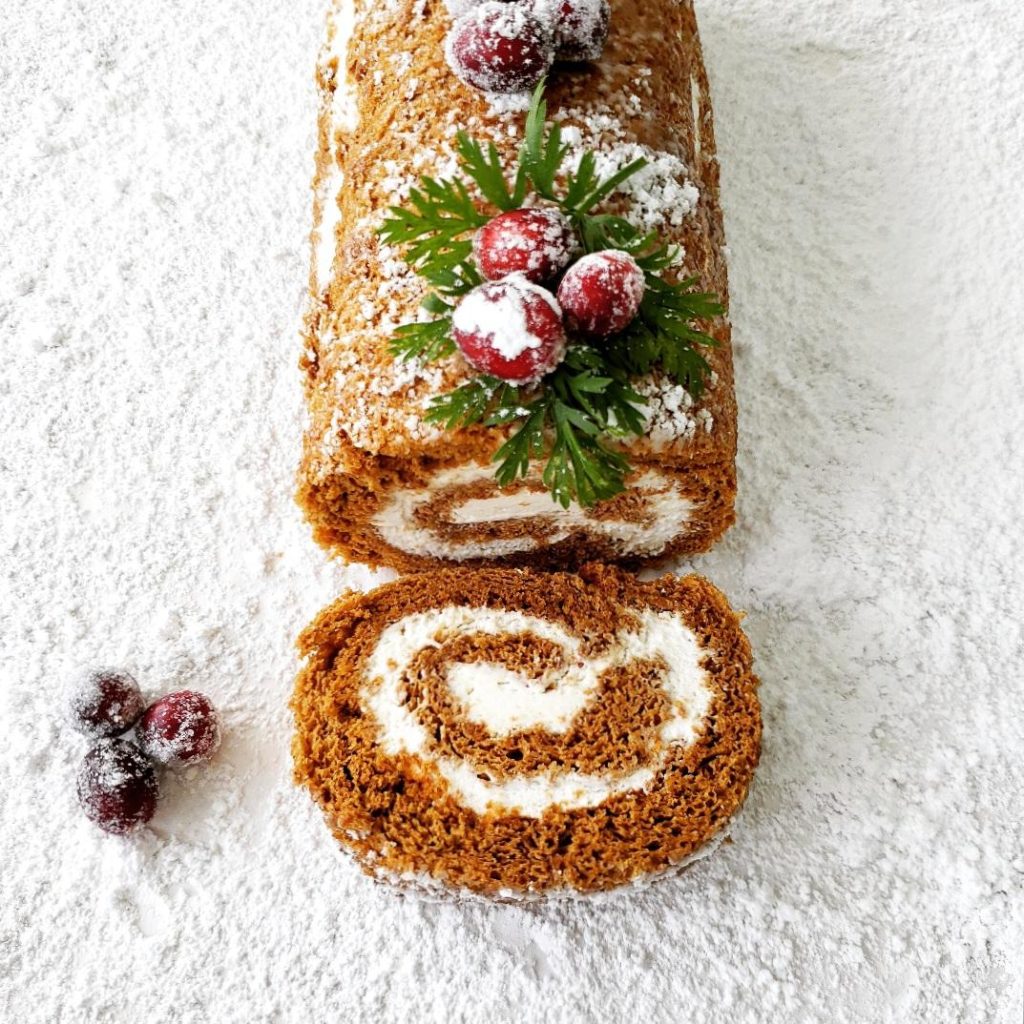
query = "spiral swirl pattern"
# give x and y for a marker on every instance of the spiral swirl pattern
(461, 515)
(508, 701)
(505, 730)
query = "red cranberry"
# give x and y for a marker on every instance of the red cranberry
(117, 786)
(103, 702)
(511, 329)
(537, 243)
(581, 28)
(601, 293)
(181, 728)
(500, 47)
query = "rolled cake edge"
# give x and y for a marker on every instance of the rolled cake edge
(704, 609)
(427, 889)
(342, 509)
(329, 486)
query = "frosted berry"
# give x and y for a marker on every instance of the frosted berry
(103, 702)
(601, 293)
(537, 243)
(580, 28)
(117, 786)
(181, 728)
(511, 329)
(500, 47)
(457, 8)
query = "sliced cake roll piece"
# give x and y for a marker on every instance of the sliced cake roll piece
(380, 481)
(519, 735)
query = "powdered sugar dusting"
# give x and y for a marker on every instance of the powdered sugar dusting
(508, 103)
(457, 8)
(155, 196)
(670, 413)
(501, 319)
(580, 26)
(659, 194)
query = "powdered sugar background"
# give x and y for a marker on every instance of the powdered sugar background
(154, 188)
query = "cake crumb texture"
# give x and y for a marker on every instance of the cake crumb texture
(395, 810)
(155, 193)
(383, 124)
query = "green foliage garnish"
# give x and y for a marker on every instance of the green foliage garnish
(569, 417)
(427, 340)
(581, 402)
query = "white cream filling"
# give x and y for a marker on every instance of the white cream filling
(695, 98)
(505, 507)
(506, 701)
(325, 238)
(666, 510)
(340, 23)
(345, 116)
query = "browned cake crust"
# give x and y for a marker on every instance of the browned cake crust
(390, 111)
(404, 818)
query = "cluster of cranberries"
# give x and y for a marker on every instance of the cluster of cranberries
(514, 326)
(117, 781)
(507, 46)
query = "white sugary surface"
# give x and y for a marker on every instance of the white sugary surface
(154, 184)
(500, 316)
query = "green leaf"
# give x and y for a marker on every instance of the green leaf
(433, 303)
(525, 444)
(486, 170)
(581, 182)
(566, 421)
(432, 229)
(542, 152)
(664, 334)
(467, 404)
(608, 186)
(605, 231)
(580, 468)
(587, 384)
(427, 341)
(452, 281)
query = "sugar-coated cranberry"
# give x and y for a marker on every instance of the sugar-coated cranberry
(103, 702)
(181, 728)
(580, 28)
(602, 292)
(457, 8)
(511, 329)
(500, 47)
(117, 786)
(537, 243)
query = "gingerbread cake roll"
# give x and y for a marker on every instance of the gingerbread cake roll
(379, 483)
(517, 734)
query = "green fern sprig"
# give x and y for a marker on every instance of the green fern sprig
(569, 419)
